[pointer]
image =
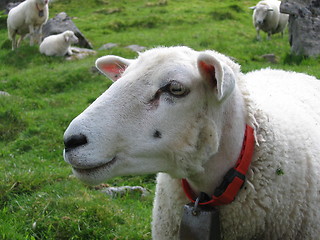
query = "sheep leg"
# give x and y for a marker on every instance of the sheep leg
(39, 35)
(14, 41)
(69, 52)
(12, 36)
(269, 36)
(258, 34)
(19, 41)
(32, 34)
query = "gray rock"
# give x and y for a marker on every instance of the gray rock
(80, 53)
(136, 48)
(62, 22)
(2, 93)
(304, 26)
(4, 3)
(270, 58)
(122, 191)
(108, 46)
(11, 5)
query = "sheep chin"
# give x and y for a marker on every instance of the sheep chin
(95, 175)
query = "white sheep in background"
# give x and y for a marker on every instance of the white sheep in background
(59, 44)
(184, 113)
(267, 17)
(27, 17)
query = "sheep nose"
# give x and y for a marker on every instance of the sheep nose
(75, 141)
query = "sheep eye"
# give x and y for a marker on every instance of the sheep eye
(174, 88)
(177, 89)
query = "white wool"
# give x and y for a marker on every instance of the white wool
(142, 124)
(267, 17)
(59, 44)
(26, 18)
(282, 189)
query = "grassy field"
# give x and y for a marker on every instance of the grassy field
(39, 197)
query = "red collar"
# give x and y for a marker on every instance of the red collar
(234, 178)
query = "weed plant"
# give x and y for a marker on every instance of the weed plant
(39, 197)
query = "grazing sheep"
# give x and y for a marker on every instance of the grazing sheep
(27, 17)
(59, 44)
(267, 17)
(184, 113)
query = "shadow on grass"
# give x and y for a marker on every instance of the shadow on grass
(21, 57)
(11, 119)
(292, 59)
(25, 55)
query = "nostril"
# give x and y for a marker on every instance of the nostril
(75, 141)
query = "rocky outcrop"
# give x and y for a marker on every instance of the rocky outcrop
(4, 3)
(304, 26)
(11, 5)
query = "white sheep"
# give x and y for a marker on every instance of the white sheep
(59, 44)
(267, 17)
(27, 17)
(184, 114)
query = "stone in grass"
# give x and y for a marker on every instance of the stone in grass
(108, 46)
(3, 93)
(136, 48)
(270, 58)
(80, 53)
(124, 190)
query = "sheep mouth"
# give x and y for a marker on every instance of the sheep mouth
(91, 170)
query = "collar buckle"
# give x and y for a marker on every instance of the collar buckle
(227, 180)
(234, 178)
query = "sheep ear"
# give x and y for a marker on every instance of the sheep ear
(112, 66)
(253, 8)
(217, 74)
(66, 38)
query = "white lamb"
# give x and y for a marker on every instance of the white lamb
(267, 17)
(185, 113)
(59, 44)
(27, 17)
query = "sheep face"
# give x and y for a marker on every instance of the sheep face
(162, 114)
(260, 14)
(70, 37)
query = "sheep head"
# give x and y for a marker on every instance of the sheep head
(162, 114)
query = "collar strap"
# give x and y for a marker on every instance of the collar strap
(234, 178)
(39, 9)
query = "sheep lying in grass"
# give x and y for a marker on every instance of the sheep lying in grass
(185, 114)
(59, 44)
(267, 17)
(27, 17)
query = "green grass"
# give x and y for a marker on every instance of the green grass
(39, 199)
